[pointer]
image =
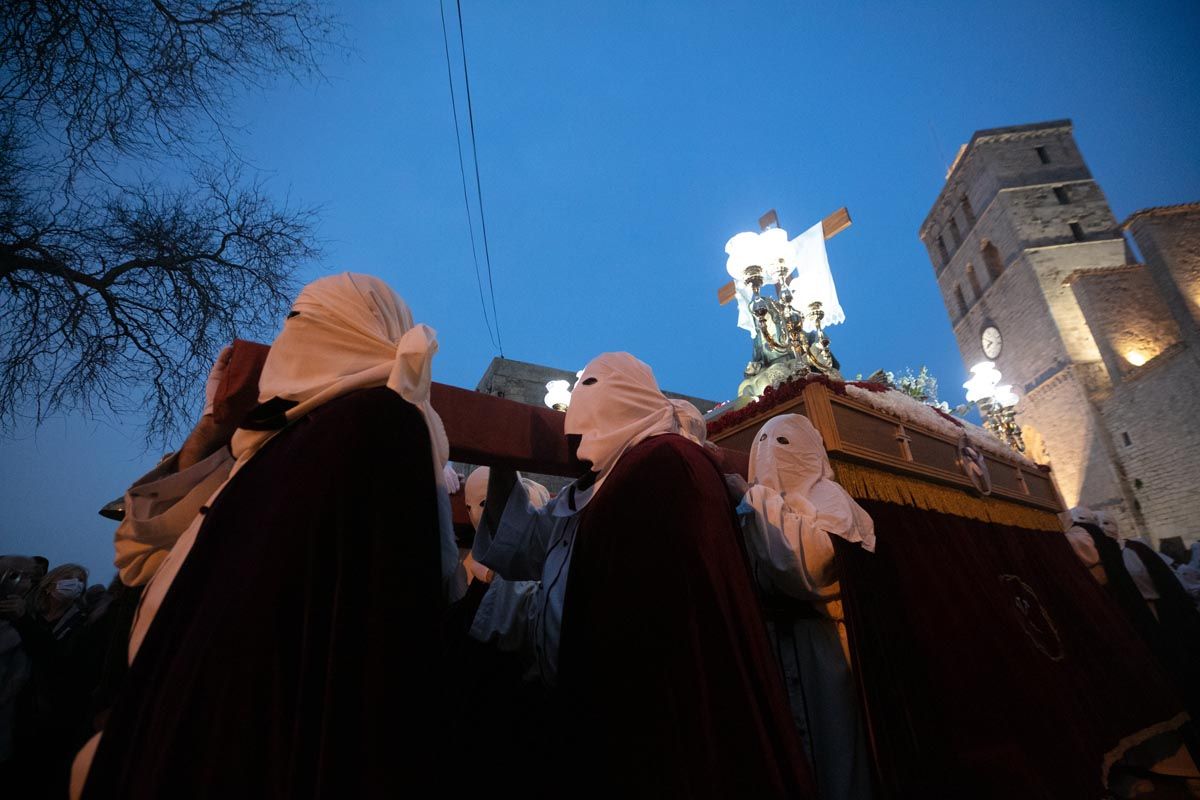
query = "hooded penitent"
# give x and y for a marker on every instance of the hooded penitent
(345, 332)
(663, 657)
(1108, 524)
(475, 493)
(297, 650)
(788, 457)
(1082, 515)
(615, 404)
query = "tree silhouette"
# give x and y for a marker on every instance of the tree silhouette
(117, 290)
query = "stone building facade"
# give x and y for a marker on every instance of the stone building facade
(1101, 347)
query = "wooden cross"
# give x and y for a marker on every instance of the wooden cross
(831, 226)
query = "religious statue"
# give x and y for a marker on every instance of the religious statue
(788, 329)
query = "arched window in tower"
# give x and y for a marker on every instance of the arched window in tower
(968, 212)
(941, 244)
(974, 279)
(962, 302)
(991, 259)
(955, 234)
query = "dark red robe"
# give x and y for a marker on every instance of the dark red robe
(297, 652)
(992, 664)
(668, 683)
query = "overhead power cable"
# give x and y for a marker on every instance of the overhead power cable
(487, 255)
(466, 197)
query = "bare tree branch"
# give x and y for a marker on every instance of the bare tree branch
(116, 294)
(125, 304)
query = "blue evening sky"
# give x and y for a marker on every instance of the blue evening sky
(622, 143)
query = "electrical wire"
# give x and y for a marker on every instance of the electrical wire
(462, 170)
(478, 185)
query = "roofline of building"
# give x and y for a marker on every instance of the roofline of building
(966, 150)
(1083, 273)
(1160, 211)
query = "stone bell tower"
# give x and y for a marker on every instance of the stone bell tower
(1019, 215)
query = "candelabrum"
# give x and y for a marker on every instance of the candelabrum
(1002, 421)
(997, 404)
(782, 327)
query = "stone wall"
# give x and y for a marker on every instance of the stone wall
(1152, 417)
(1076, 444)
(1053, 265)
(1127, 316)
(1169, 240)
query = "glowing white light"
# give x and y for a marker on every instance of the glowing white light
(768, 250)
(1005, 396)
(1135, 357)
(558, 395)
(985, 378)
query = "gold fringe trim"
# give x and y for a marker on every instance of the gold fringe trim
(875, 484)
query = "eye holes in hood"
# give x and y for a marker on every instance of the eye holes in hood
(782, 440)
(588, 381)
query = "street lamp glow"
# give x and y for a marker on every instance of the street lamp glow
(982, 385)
(558, 395)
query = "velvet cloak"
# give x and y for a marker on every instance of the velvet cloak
(297, 652)
(669, 687)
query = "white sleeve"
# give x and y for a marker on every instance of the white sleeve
(788, 553)
(159, 506)
(505, 614)
(517, 550)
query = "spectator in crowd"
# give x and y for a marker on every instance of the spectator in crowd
(17, 579)
(52, 708)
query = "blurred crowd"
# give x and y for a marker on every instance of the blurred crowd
(62, 655)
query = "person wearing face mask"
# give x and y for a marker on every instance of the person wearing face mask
(789, 512)
(52, 709)
(644, 619)
(289, 644)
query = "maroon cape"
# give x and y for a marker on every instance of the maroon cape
(990, 662)
(670, 687)
(296, 654)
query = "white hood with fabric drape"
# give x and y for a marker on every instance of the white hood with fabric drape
(788, 457)
(616, 403)
(349, 332)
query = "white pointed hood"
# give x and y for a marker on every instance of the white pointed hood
(615, 404)
(475, 493)
(788, 455)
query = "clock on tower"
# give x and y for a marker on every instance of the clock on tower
(991, 341)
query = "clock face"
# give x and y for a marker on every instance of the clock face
(991, 341)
